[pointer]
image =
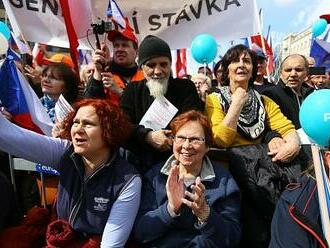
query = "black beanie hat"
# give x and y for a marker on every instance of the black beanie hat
(152, 47)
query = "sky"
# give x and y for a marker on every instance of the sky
(284, 16)
(291, 16)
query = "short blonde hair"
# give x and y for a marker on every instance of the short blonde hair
(201, 76)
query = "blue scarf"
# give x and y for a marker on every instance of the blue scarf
(49, 104)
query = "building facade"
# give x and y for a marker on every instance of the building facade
(297, 43)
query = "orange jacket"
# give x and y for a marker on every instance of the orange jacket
(113, 96)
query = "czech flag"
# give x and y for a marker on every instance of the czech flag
(19, 99)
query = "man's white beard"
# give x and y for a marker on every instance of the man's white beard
(157, 87)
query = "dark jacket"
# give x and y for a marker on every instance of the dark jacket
(95, 89)
(262, 87)
(86, 202)
(287, 100)
(261, 182)
(289, 104)
(10, 214)
(136, 100)
(154, 227)
(296, 221)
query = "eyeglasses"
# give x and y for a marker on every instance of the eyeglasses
(191, 140)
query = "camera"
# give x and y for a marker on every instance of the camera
(102, 27)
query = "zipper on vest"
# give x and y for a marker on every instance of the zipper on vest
(76, 207)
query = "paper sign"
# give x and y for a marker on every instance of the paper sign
(159, 114)
(62, 108)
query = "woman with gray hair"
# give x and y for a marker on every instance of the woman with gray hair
(203, 85)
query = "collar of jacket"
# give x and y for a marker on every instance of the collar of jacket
(123, 71)
(287, 89)
(206, 174)
(304, 90)
(80, 166)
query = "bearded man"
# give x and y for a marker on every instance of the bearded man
(154, 58)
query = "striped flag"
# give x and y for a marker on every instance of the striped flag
(115, 14)
(20, 100)
(320, 51)
(256, 44)
(181, 63)
(17, 44)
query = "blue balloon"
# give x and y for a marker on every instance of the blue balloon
(5, 30)
(319, 27)
(204, 48)
(314, 116)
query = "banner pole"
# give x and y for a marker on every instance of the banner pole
(263, 41)
(12, 172)
(321, 192)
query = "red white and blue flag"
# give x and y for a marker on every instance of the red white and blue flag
(181, 63)
(255, 43)
(115, 14)
(19, 99)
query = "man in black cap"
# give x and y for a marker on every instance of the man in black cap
(261, 83)
(154, 58)
(319, 78)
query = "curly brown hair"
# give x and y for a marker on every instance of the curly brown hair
(193, 115)
(115, 124)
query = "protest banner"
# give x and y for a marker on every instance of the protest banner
(178, 22)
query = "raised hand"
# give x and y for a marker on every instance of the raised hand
(175, 189)
(239, 97)
(100, 58)
(109, 83)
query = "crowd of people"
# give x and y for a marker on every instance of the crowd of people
(211, 173)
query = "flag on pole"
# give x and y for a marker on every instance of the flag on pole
(261, 18)
(181, 63)
(320, 51)
(256, 44)
(115, 14)
(20, 100)
(38, 53)
(85, 57)
(72, 35)
(17, 44)
(268, 33)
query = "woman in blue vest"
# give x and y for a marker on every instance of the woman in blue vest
(98, 193)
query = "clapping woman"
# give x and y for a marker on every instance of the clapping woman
(190, 200)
